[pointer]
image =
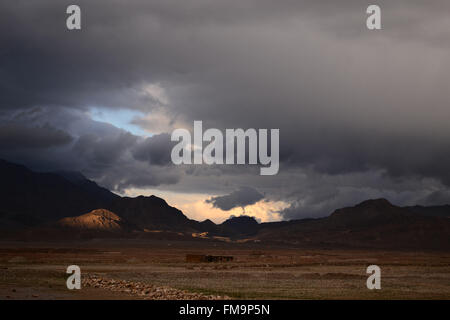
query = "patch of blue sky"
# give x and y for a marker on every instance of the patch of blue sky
(120, 118)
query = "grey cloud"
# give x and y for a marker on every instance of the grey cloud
(155, 150)
(242, 197)
(122, 45)
(437, 197)
(348, 102)
(18, 136)
(128, 174)
(318, 195)
(100, 151)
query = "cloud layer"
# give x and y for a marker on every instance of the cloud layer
(361, 113)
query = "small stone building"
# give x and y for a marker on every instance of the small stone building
(207, 258)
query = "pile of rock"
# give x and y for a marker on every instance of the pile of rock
(143, 290)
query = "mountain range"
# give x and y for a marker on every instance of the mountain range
(66, 205)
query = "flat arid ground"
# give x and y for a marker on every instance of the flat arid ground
(150, 269)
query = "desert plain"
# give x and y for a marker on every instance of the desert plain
(157, 269)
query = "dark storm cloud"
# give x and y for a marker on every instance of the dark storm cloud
(102, 151)
(124, 44)
(242, 197)
(351, 104)
(15, 136)
(130, 174)
(155, 150)
(64, 139)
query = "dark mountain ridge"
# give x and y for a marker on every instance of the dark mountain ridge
(68, 201)
(31, 199)
(373, 223)
(437, 211)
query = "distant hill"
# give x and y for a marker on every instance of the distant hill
(96, 220)
(152, 213)
(239, 226)
(372, 223)
(437, 211)
(30, 198)
(87, 185)
(99, 223)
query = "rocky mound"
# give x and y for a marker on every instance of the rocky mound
(96, 220)
(144, 290)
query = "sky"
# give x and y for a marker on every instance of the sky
(362, 113)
